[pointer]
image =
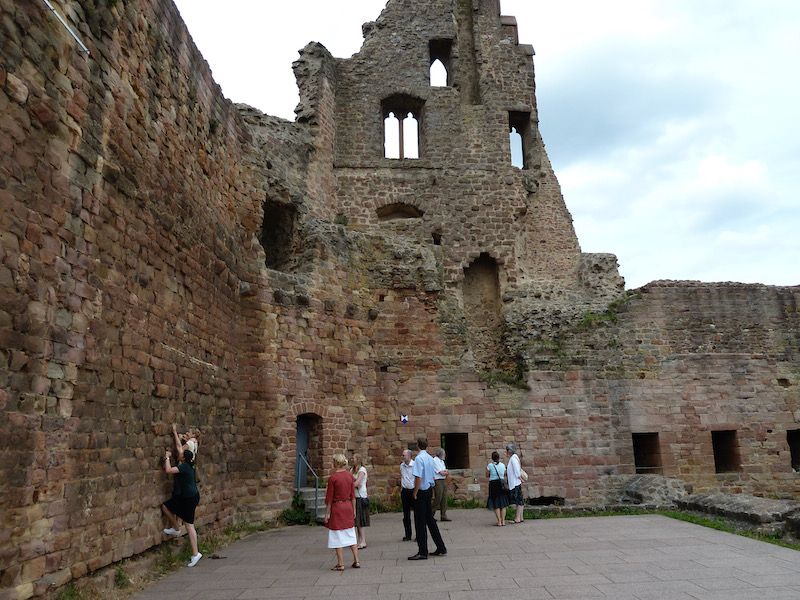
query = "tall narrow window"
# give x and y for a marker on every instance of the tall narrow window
(793, 439)
(520, 138)
(440, 51)
(726, 451)
(515, 138)
(401, 127)
(392, 126)
(277, 235)
(410, 131)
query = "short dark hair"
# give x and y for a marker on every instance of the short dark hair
(422, 442)
(496, 456)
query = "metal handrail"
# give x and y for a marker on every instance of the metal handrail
(316, 484)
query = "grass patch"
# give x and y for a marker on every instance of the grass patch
(121, 579)
(722, 524)
(68, 592)
(378, 505)
(611, 314)
(465, 503)
(296, 514)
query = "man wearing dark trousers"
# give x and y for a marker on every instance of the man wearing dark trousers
(407, 491)
(423, 513)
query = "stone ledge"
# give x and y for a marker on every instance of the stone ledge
(763, 515)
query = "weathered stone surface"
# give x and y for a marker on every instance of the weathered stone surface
(655, 490)
(763, 515)
(166, 256)
(741, 507)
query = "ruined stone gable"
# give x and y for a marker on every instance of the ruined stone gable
(166, 256)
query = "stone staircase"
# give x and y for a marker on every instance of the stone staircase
(307, 494)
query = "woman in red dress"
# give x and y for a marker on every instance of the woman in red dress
(340, 512)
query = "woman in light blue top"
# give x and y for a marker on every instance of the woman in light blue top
(498, 497)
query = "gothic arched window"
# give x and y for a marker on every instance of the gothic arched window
(402, 127)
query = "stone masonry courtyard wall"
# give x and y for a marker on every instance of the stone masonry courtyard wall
(169, 257)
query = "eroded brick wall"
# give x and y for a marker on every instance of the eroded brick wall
(123, 193)
(140, 286)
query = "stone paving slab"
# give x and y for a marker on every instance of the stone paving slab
(647, 557)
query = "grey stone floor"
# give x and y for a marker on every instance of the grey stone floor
(622, 558)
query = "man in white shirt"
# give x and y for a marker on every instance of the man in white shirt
(440, 489)
(407, 491)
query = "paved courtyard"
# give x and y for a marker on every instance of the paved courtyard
(622, 558)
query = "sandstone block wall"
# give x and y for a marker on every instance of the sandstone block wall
(167, 257)
(123, 193)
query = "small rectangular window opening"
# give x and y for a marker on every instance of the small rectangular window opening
(456, 445)
(647, 453)
(519, 131)
(793, 439)
(726, 451)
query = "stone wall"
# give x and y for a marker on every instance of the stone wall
(126, 199)
(166, 256)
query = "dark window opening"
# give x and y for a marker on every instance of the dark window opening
(437, 238)
(647, 453)
(277, 235)
(726, 451)
(520, 138)
(440, 52)
(402, 127)
(793, 438)
(456, 445)
(546, 501)
(398, 210)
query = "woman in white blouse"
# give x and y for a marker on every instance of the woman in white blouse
(514, 481)
(359, 472)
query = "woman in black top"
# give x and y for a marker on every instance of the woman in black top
(184, 501)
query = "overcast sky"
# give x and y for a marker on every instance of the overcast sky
(672, 125)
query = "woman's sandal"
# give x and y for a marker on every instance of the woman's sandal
(356, 565)
(338, 568)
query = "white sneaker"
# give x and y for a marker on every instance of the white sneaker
(195, 559)
(172, 531)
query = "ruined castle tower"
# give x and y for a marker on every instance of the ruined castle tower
(429, 162)
(397, 261)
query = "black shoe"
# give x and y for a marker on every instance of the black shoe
(418, 557)
(439, 553)
(406, 539)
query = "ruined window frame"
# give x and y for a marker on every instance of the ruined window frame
(520, 121)
(403, 104)
(441, 50)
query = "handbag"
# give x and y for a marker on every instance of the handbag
(503, 481)
(523, 475)
(365, 502)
